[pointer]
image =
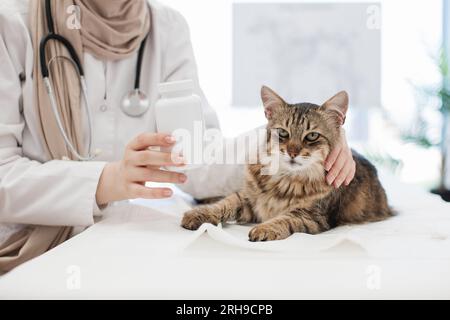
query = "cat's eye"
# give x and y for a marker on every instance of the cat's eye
(312, 136)
(283, 134)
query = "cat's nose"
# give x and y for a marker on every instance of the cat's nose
(293, 151)
(293, 154)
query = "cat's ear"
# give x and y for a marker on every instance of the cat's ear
(271, 101)
(338, 105)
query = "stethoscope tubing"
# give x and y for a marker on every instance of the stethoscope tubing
(76, 62)
(54, 107)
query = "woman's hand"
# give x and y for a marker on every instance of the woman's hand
(126, 179)
(340, 164)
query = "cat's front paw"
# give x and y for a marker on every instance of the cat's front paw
(194, 218)
(266, 232)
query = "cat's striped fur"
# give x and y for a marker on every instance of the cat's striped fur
(297, 198)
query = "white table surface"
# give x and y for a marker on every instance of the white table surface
(137, 252)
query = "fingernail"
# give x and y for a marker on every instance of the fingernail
(167, 193)
(183, 179)
(330, 181)
(170, 139)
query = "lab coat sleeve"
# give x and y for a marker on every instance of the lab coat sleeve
(59, 193)
(179, 64)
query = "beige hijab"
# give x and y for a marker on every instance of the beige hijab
(110, 30)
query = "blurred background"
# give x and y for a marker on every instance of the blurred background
(390, 55)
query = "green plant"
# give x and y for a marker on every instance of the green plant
(383, 159)
(419, 133)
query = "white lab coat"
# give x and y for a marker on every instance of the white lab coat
(38, 190)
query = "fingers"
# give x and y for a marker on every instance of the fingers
(343, 170)
(345, 174)
(337, 167)
(145, 140)
(155, 175)
(351, 175)
(155, 158)
(140, 191)
(332, 157)
(340, 164)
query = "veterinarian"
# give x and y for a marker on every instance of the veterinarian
(46, 192)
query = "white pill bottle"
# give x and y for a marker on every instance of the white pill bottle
(179, 112)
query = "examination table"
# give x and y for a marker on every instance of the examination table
(139, 251)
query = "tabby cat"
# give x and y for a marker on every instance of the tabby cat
(297, 197)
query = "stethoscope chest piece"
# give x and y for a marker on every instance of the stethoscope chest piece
(135, 103)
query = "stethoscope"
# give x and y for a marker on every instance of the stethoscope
(134, 104)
